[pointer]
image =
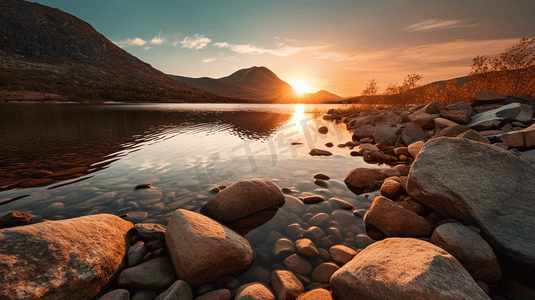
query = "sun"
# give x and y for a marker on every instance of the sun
(301, 87)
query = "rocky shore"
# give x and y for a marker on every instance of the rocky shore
(453, 218)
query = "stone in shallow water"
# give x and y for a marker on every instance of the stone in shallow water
(243, 198)
(323, 272)
(319, 152)
(306, 247)
(150, 230)
(222, 294)
(154, 274)
(120, 294)
(485, 185)
(180, 290)
(15, 218)
(286, 285)
(73, 257)
(298, 264)
(203, 249)
(254, 291)
(135, 253)
(404, 268)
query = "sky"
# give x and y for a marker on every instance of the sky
(336, 45)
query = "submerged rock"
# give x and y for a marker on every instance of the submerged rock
(485, 185)
(202, 249)
(243, 198)
(362, 180)
(400, 269)
(74, 258)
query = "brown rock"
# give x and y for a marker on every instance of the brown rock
(415, 148)
(319, 152)
(15, 218)
(221, 294)
(441, 124)
(323, 130)
(391, 189)
(342, 254)
(254, 291)
(403, 269)
(362, 180)
(475, 136)
(341, 203)
(150, 230)
(323, 272)
(286, 285)
(453, 131)
(484, 97)
(298, 264)
(513, 139)
(74, 258)
(154, 274)
(243, 198)
(529, 136)
(423, 119)
(306, 247)
(316, 294)
(458, 116)
(202, 249)
(394, 220)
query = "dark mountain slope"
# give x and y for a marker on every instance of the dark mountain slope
(43, 49)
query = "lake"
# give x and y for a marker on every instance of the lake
(67, 160)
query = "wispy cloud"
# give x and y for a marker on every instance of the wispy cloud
(131, 42)
(431, 24)
(147, 48)
(207, 60)
(158, 40)
(196, 42)
(251, 49)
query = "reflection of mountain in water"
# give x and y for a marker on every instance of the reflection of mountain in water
(45, 144)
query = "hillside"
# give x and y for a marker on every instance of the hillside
(256, 83)
(48, 51)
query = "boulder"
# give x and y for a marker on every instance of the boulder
(423, 119)
(412, 133)
(529, 136)
(461, 106)
(387, 134)
(482, 184)
(342, 254)
(470, 249)
(286, 285)
(394, 220)
(441, 123)
(498, 117)
(362, 180)
(474, 136)
(202, 249)
(74, 258)
(460, 116)
(243, 198)
(364, 131)
(154, 274)
(453, 131)
(433, 108)
(512, 139)
(404, 269)
(362, 148)
(254, 291)
(323, 272)
(391, 189)
(484, 97)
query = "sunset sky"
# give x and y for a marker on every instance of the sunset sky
(337, 45)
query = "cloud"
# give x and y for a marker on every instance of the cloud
(196, 42)
(147, 48)
(158, 40)
(251, 49)
(430, 24)
(207, 60)
(131, 42)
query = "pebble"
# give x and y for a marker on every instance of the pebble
(341, 203)
(323, 272)
(154, 274)
(180, 290)
(222, 294)
(318, 219)
(283, 247)
(120, 294)
(343, 217)
(286, 285)
(321, 176)
(150, 230)
(135, 253)
(143, 186)
(316, 294)
(342, 254)
(306, 247)
(314, 232)
(298, 264)
(313, 199)
(321, 182)
(254, 291)
(137, 216)
(294, 231)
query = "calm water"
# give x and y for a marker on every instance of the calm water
(64, 161)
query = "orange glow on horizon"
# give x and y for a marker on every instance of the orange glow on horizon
(301, 86)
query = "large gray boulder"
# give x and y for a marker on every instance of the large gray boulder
(243, 198)
(403, 269)
(202, 249)
(470, 249)
(485, 185)
(68, 259)
(497, 117)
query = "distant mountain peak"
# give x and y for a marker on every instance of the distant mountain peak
(254, 76)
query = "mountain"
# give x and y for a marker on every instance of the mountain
(49, 52)
(256, 83)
